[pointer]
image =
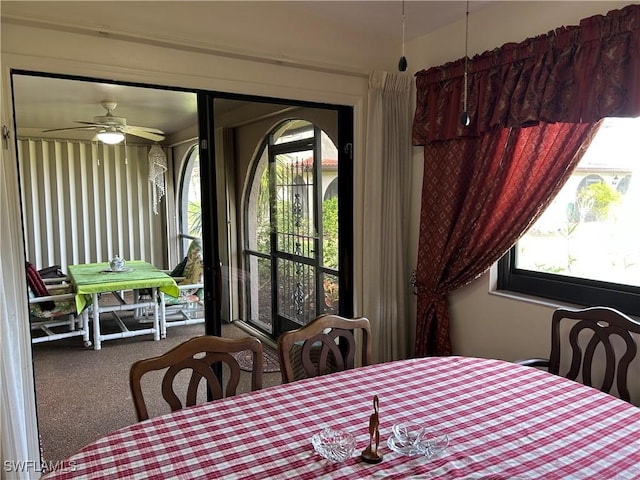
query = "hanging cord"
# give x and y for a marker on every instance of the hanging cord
(402, 64)
(465, 120)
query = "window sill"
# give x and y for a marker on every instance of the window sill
(543, 302)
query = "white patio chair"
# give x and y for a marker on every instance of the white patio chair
(52, 309)
(188, 307)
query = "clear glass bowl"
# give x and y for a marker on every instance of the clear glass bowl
(434, 443)
(407, 433)
(413, 438)
(334, 444)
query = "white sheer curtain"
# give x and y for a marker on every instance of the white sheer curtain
(18, 429)
(387, 181)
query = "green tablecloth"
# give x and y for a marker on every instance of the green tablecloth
(92, 278)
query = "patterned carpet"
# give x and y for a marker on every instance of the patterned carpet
(270, 362)
(83, 394)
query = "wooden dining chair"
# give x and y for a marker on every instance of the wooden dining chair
(198, 355)
(592, 330)
(326, 344)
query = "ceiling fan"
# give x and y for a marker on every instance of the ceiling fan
(111, 129)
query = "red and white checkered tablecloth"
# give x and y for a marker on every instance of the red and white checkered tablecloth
(504, 421)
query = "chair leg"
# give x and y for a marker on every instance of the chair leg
(163, 317)
(85, 326)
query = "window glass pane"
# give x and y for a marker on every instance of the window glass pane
(259, 289)
(292, 131)
(329, 181)
(296, 287)
(592, 227)
(258, 217)
(194, 216)
(331, 293)
(295, 231)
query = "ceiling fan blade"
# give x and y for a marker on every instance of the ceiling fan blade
(127, 128)
(144, 134)
(92, 123)
(92, 127)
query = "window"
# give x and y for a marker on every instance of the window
(585, 248)
(190, 204)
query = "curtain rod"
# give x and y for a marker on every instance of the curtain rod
(184, 46)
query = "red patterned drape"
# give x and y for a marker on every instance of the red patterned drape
(479, 194)
(484, 185)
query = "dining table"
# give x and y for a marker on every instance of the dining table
(503, 421)
(91, 280)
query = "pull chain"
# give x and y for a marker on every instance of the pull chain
(465, 120)
(402, 64)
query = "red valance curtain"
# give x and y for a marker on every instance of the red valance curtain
(572, 74)
(533, 108)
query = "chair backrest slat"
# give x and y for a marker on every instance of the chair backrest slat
(326, 344)
(597, 327)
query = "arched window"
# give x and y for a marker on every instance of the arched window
(189, 200)
(623, 185)
(585, 199)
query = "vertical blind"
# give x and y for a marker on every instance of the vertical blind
(84, 202)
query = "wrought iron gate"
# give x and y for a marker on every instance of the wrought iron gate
(295, 223)
(294, 273)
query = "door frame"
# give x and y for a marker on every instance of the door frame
(346, 185)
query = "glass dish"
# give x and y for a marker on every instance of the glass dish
(434, 443)
(398, 447)
(412, 438)
(334, 444)
(407, 434)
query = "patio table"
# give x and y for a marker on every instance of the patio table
(92, 279)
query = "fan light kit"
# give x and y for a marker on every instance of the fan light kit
(111, 137)
(112, 130)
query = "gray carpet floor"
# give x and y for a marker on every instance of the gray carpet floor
(83, 394)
